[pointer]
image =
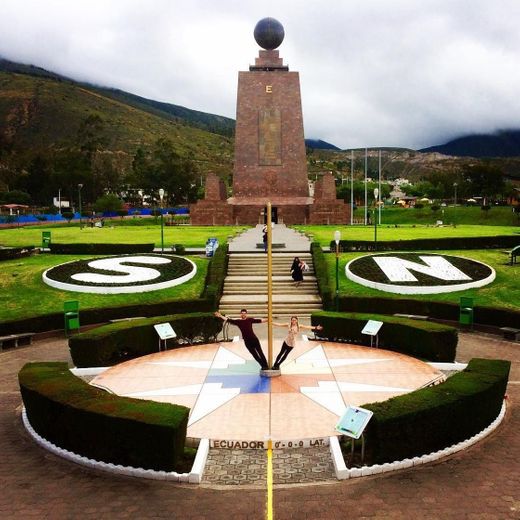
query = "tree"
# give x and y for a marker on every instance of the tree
(16, 197)
(485, 179)
(164, 168)
(108, 202)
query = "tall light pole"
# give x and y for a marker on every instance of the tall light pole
(455, 188)
(161, 195)
(79, 202)
(337, 238)
(351, 187)
(376, 195)
(59, 200)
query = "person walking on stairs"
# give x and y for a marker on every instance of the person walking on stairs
(289, 341)
(245, 324)
(296, 271)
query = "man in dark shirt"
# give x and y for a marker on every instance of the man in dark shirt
(252, 343)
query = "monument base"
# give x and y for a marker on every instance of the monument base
(270, 373)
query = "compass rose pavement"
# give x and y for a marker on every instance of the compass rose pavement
(229, 399)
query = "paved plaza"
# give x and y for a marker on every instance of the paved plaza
(482, 482)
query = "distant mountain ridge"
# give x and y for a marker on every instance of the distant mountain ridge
(209, 122)
(505, 143)
(318, 144)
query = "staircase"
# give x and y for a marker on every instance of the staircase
(245, 286)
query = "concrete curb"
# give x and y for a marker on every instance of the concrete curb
(193, 477)
(343, 473)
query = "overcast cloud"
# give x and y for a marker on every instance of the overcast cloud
(410, 73)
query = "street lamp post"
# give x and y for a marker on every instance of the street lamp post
(59, 200)
(455, 188)
(337, 238)
(161, 195)
(79, 202)
(376, 200)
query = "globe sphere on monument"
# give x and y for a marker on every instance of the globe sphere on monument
(269, 33)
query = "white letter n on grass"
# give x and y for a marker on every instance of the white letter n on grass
(398, 270)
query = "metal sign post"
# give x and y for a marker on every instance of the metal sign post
(352, 424)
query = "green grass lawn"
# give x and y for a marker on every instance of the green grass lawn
(188, 236)
(496, 216)
(324, 234)
(25, 294)
(504, 291)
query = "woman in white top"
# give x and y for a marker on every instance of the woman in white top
(288, 344)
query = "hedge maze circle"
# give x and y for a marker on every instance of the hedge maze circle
(121, 274)
(418, 273)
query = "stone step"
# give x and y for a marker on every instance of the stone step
(247, 286)
(294, 299)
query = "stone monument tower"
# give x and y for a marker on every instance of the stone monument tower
(270, 161)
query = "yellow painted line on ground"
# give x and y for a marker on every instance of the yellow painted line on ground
(270, 480)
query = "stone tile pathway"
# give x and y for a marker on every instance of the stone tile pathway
(249, 467)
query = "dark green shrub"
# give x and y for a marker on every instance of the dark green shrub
(96, 424)
(67, 215)
(100, 249)
(116, 342)
(11, 253)
(434, 418)
(54, 321)
(505, 241)
(322, 274)
(421, 339)
(491, 316)
(216, 274)
(179, 249)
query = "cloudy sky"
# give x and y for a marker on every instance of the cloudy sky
(410, 73)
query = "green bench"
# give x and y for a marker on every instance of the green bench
(514, 254)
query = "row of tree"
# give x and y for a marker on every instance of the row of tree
(479, 180)
(36, 176)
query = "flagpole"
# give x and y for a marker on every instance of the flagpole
(269, 289)
(351, 187)
(379, 186)
(366, 194)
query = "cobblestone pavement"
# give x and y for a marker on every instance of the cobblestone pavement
(481, 483)
(249, 467)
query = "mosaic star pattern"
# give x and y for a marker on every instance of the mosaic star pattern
(229, 399)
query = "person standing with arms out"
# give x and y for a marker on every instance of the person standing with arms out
(289, 341)
(296, 271)
(245, 324)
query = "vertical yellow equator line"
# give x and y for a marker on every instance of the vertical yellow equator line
(270, 480)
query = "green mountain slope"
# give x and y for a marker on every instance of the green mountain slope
(42, 113)
(210, 122)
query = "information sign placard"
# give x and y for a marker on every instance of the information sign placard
(372, 327)
(165, 331)
(354, 421)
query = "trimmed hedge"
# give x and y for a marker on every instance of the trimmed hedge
(491, 316)
(11, 253)
(434, 418)
(506, 241)
(96, 424)
(55, 320)
(110, 344)
(216, 274)
(100, 249)
(420, 339)
(322, 274)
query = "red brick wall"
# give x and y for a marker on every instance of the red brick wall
(290, 177)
